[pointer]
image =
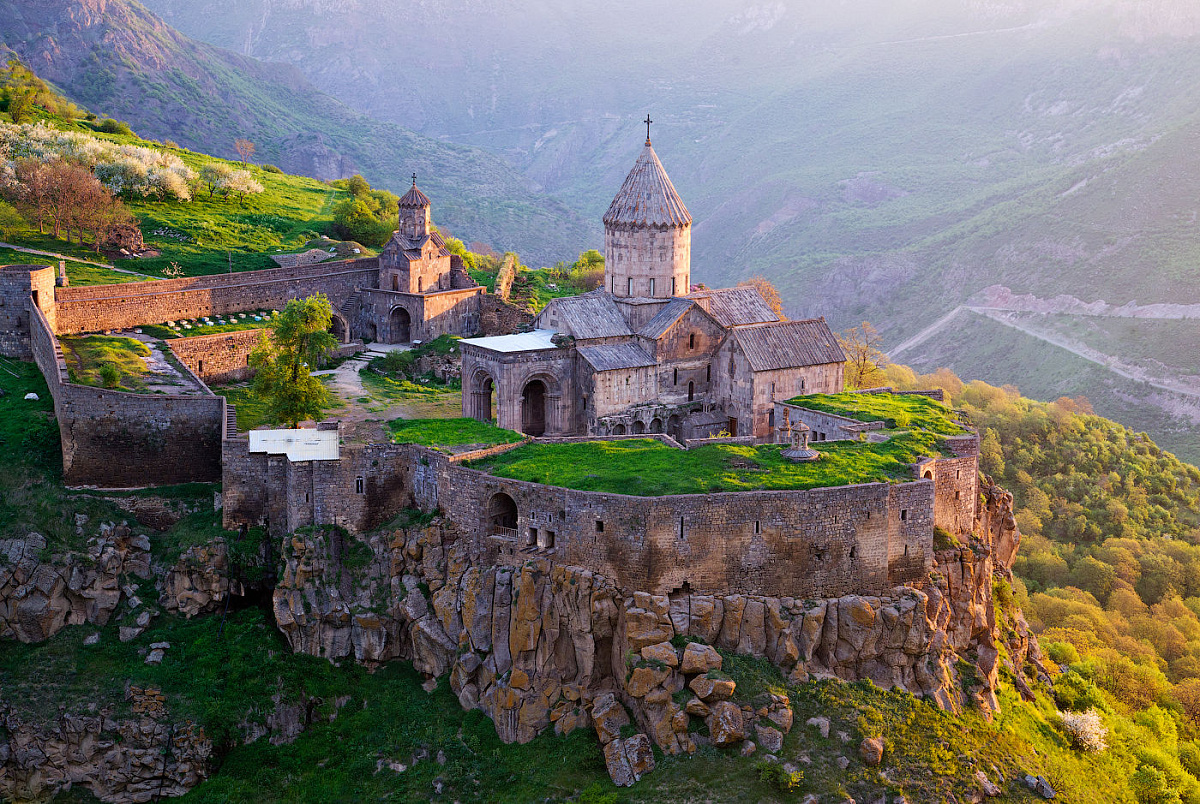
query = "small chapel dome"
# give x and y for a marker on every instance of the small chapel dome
(647, 198)
(414, 198)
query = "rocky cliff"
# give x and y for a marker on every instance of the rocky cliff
(541, 645)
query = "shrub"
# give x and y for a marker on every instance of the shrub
(773, 773)
(1189, 758)
(110, 375)
(271, 169)
(1085, 730)
(111, 126)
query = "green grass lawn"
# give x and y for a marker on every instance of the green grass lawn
(917, 412)
(78, 273)
(649, 468)
(87, 358)
(449, 432)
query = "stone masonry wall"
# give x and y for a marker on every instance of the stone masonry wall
(17, 286)
(819, 542)
(114, 439)
(498, 317)
(224, 357)
(101, 307)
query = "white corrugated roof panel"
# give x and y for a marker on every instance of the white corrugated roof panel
(297, 445)
(520, 342)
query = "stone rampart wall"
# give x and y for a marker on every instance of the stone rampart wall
(224, 357)
(114, 439)
(101, 307)
(498, 317)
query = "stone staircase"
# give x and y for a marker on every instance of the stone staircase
(349, 308)
(231, 430)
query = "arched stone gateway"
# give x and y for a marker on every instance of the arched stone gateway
(339, 329)
(533, 408)
(480, 401)
(656, 425)
(501, 517)
(639, 427)
(618, 430)
(673, 426)
(400, 324)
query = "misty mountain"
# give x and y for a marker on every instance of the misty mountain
(118, 59)
(876, 160)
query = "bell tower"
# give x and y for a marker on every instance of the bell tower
(414, 213)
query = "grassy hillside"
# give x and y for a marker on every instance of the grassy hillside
(119, 60)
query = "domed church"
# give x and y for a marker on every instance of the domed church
(646, 353)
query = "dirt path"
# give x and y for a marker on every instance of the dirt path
(364, 422)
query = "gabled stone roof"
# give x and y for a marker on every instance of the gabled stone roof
(671, 312)
(789, 344)
(590, 315)
(412, 248)
(647, 198)
(734, 307)
(414, 198)
(615, 356)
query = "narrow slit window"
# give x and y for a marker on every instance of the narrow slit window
(681, 533)
(676, 376)
(708, 373)
(757, 526)
(651, 286)
(903, 514)
(359, 484)
(599, 526)
(692, 341)
(629, 291)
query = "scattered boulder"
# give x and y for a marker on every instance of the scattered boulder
(628, 760)
(725, 724)
(1040, 785)
(821, 723)
(989, 787)
(769, 738)
(871, 750)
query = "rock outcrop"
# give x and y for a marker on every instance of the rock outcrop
(541, 645)
(199, 581)
(131, 760)
(40, 593)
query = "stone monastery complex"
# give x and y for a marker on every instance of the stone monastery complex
(646, 356)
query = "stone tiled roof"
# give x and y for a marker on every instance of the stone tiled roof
(647, 198)
(412, 248)
(789, 344)
(590, 315)
(671, 312)
(733, 307)
(615, 356)
(414, 198)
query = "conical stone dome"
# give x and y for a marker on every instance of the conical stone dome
(647, 198)
(414, 198)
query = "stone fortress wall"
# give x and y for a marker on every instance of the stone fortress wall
(821, 542)
(102, 307)
(116, 439)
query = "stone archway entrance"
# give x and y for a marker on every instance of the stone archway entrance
(501, 519)
(533, 408)
(481, 390)
(339, 330)
(400, 325)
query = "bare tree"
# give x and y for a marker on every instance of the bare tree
(768, 292)
(865, 359)
(245, 149)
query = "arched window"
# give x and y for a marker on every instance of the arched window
(651, 286)
(692, 341)
(691, 391)
(629, 292)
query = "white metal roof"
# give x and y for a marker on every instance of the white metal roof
(298, 445)
(520, 342)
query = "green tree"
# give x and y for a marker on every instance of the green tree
(20, 105)
(300, 340)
